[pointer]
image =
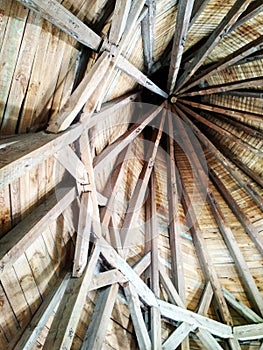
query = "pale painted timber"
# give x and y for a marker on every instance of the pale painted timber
(178, 336)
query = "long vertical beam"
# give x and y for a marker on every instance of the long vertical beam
(119, 20)
(184, 10)
(148, 35)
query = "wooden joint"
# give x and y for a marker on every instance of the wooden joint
(84, 187)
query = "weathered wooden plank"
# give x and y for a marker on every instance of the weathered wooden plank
(23, 234)
(81, 95)
(65, 20)
(248, 226)
(184, 10)
(178, 336)
(241, 308)
(97, 329)
(206, 299)
(252, 11)
(208, 340)
(115, 148)
(221, 131)
(106, 278)
(119, 19)
(228, 61)
(148, 35)
(65, 322)
(217, 35)
(182, 315)
(137, 317)
(128, 68)
(140, 266)
(38, 322)
(249, 332)
(250, 286)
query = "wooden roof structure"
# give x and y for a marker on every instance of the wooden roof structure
(131, 174)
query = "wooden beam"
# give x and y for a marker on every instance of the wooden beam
(222, 159)
(148, 35)
(206, 299)
(221, 131)
(219, 33)
(178, 314)
(226, 62)
(140, 266)
(184, 10)
(246, 277)
(175, 240)
(99, 323)
(248, 226)
(178, 336)
(245, 93)
(241, 308)
(141, 331)
(249, 332)
(207, 266)
(115, 148)
(66, 319)
(83, 235)
(138, 195)
(199, 6)
(214, 89)
(42, 315)
(208, 340)
(81, 95)
(128, 68)
(107, 278)
(119, 19)
(17, 240)
(65, 20)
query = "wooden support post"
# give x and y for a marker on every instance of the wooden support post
(178, 336)
(17, 240)
(226, 62)
(65, 322)
(137, 317)
(38, 322)
(248, 226)
(248, 281)
(58, 15)
(222, 159)
(184, 10)
(206, 299)
(115, 148)
(148, 35)
(217, 35)
(97, 329)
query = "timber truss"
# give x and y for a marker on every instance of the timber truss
(97, 248)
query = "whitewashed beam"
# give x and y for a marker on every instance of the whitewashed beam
(182, 315)
(148, 34)
(42, 315)
(218, 34)
(99, 323)
(128, 68)
(206, 299)
(18, 239)
(184, 10)
(81, 95)
(107, 278)
(64, 325)
(208, 340)
(140, 266)
(58, 15)
(141, 332)
(115, 148)
(178, 336)
(242, 309)
(249, 332)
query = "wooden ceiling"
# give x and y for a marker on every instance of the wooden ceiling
(126, 223)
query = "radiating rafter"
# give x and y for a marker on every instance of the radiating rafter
(222, 159)
(184, 10)
(231, 59)
(254, 9)
(198, 8)
(217, 35)
(119, 19)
